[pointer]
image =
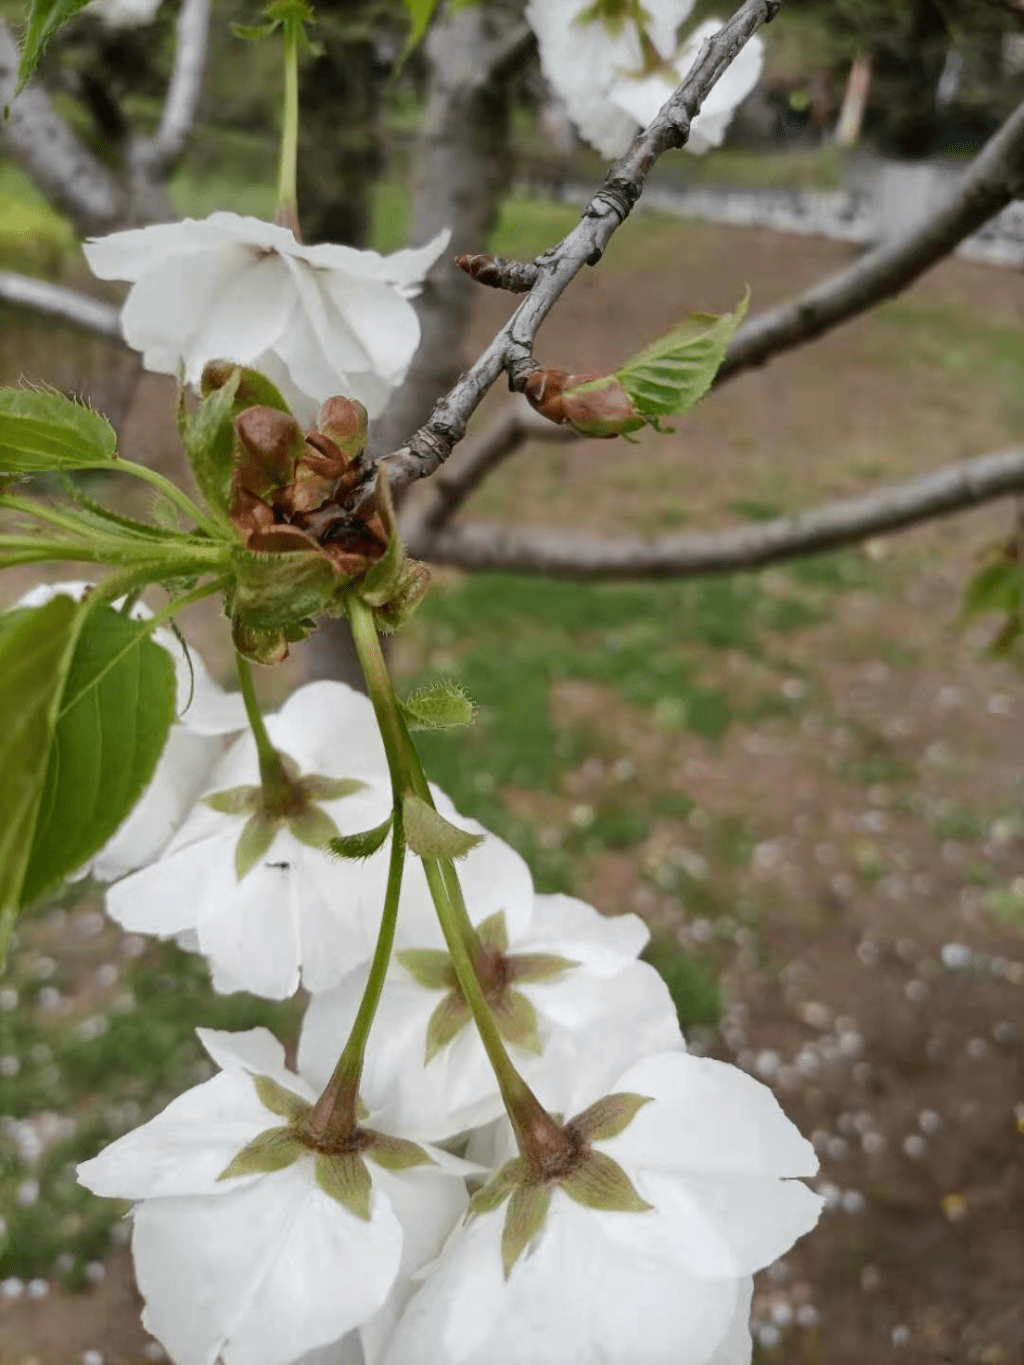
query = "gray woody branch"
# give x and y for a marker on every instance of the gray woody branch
(511, 349)
(58, 163)
(845, 522)
(154, 158)
(72, 179)
(57, 302)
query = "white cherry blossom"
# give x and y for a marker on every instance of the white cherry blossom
(317, 320)
(602, 69)
(589, 1019)
(124, 13)
(260, 1267)
(297, 912)
(642, 99)
(718, 1162)
(206, 716)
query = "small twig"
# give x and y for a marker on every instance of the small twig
(845, 522)
(58, 302)
(511, 349)
(60, 166)
(455, 482)
(154, 158)
(518, 277)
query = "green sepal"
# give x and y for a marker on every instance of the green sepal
(537, 966)
(253, 32)
(448, 1020)
(285, 1103)
(255, 839)
(397, 1154)
(209, 438)
(524, 1218)
(345, 1178)
(272, 1150)
(493, 932)
(676, 371)
(516, 1020)
(431, 835)
(598, 1182)
(275, 589)
(430, 968)
(362, 845)
(317, 787)
(442, 706)
(244, 800)
(41, 430)
(609, 1117)
(492, 1195)
(261, 646)
(313, 827)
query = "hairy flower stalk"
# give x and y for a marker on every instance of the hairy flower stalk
(540, 1138)
(273, 776)
(287, 213)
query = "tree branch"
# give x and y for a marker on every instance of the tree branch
(993, 180)
(59, 165)
(58, 302)
(511, 349)
(154, 158)
(447, 492)
(845, 522)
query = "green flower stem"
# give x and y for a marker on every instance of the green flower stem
(287, 197)
(540, 1138)
(272, 771)
(334, 1116)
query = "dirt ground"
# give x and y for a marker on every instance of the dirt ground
(872, 943)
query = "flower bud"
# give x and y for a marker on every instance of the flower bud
(254, 389)
(343, 421)
(268, 447)
(592, 404)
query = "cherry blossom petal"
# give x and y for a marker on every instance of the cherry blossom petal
(711, 1118)
(260, 1275)
(184, 1149)
(136, 252)
(248, 316)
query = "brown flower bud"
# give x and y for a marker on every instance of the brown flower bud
(343, 421)
(591, 403)
(254, 389)
(601, 408)
(268, 447)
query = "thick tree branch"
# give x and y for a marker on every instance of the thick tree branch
(57, 302)
(511, 349)
(59, 165)
(154, 158)
(453, 484)
(992, 181)
(961, 486)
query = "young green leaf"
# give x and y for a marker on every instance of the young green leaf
(676, 371)
(41, 430)
(442, 706)
(431, 835)
(209, 445)
(362, 845)
(35, 653)
(382, 579)
(273, 590)
(45, 18)
(116, 709)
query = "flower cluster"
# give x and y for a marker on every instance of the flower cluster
(614, 63)
(422, 1207)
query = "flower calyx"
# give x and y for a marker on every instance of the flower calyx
(592, 404)
(500, 974)
(591, 1178)
(339, 1158)
(303, 546)
(283, 797)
